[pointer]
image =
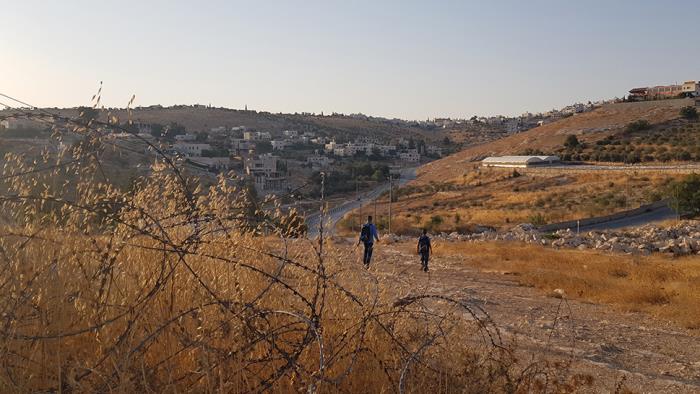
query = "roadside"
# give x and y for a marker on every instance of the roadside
(335, 213)
(650, 354)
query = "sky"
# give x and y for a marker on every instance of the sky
(405, 59)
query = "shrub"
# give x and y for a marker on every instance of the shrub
(637, 125)
(685, 195)
(690, 113)
(571, 142)
(537, 219)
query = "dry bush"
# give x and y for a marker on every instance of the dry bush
(168, 286)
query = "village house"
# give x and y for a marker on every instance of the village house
(185, 137)
(19, 123)
(256, 136)
(213, 163)
(280, 144)
(191, 149)
(410, 155)
(266, 174)
(318, 161)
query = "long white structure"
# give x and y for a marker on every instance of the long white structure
(519, 161)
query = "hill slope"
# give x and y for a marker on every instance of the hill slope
(589, 127)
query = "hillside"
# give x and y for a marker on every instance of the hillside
(204, 118)
(455, 194)
(608, 120)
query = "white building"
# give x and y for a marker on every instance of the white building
(290, 133)
(191, 149)
(18, 123)
(213, 163)
(185, 137)
(410, 155)
(434, 150)
(280, 144)
(386, 150)
(318, 161)
(519, 161)
(265, 164)
(318, 140)
(330, 147)
(264, 171)
(691, 88)
(256, 136)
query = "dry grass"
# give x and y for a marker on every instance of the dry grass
(174, 287)
(494, 197)
(662, 286)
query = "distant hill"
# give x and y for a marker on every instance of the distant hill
(204, 118)
(608, 120)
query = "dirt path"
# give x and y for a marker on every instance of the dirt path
(652, 355)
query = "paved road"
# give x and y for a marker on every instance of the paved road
(682, 168)
(337, 212)
(657, 215)
(656, 212)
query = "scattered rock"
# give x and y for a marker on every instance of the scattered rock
(682, 239)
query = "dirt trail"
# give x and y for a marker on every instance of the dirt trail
(652, 355)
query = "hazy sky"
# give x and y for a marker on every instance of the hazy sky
(405, 59)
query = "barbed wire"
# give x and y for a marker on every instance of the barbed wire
(166, 287)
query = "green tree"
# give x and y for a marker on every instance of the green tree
(690, 113)
(263, 147)
(156, 130)
(572, 142)
(174, 129)
(685, 195)
(201, 136)
(637, 125)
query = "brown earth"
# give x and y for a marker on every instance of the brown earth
(588, 127)
(617, 348)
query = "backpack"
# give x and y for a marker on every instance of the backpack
(365, 235)
(423, 244)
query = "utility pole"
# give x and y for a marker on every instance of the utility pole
(357, 198)
(391, 198)
(375, 208)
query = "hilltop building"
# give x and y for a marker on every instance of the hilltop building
(687, 89)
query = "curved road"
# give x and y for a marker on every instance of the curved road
(656, 215)
(337, 212)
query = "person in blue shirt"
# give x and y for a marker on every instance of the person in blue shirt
(368, 234)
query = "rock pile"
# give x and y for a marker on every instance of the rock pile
(679, 240)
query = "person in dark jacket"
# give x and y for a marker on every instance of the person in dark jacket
(368, 234)
(424, 249)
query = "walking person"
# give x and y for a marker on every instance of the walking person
(424, 249)
(368, 234)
